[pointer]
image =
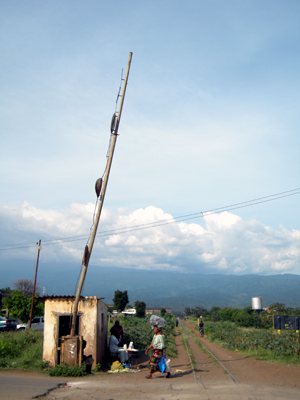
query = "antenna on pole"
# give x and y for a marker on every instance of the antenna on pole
(100, 186)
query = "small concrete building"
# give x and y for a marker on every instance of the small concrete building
(156, 310)
(91, 325)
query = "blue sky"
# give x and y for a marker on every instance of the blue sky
(211, 118)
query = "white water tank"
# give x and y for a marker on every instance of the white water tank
(257, 303)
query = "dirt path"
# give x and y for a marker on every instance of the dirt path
(259, 378)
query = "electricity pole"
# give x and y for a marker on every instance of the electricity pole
(88, 249)
(36, 269)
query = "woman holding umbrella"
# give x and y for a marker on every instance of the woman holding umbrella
(159, 350)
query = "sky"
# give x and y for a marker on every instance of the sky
(210, 119)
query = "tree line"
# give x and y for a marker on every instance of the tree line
(245, 317)
(18, 300)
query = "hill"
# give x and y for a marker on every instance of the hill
(160, 288)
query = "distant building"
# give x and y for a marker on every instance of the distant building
(156, 310)
(129, 311)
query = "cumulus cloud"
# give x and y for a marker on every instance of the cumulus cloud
(224, 244)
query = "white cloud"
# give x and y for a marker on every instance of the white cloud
(227, 244)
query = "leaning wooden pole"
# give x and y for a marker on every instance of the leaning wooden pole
(34, 283)
(89, 248)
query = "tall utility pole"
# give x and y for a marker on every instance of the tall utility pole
(36, 269)
(88, 249)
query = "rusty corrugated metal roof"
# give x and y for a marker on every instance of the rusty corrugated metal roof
(62, 298)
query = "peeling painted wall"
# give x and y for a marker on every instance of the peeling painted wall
(93, 326)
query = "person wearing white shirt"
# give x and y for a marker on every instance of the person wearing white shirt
(114, 349)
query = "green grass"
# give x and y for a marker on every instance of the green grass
(22, 350)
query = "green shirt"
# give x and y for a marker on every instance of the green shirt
(158, 342)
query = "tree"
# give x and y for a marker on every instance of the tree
(225, 314)
(201, 312)
(4, 293)
(277, 308)
(140, 308)
(25, 286)
(187, 311)
(110, 309)
(163, 311)
(214, 314)
(120, 300)
(19, 306)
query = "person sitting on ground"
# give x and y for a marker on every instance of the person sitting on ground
(115, 349)
(159, 350)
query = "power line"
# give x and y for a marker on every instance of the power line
(159, 222)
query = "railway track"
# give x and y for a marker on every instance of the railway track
(232, 388)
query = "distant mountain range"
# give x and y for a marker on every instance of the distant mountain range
(159, 288)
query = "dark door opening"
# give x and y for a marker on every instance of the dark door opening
(64, 329)
(64, 325)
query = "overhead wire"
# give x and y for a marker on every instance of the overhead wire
(168, 221)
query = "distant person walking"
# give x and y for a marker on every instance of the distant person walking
(201, 328)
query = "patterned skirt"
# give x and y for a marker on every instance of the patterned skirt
(154, 360)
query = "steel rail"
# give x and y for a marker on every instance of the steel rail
(189, 337)
(234, 380)
(197, 379)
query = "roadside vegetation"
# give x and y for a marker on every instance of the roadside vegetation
(22, 350)
(63, 370)
(245, 317)
(249, 332)
(264, 344)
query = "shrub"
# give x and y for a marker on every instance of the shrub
(21, 350)
(235, 338)
(64, 370)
